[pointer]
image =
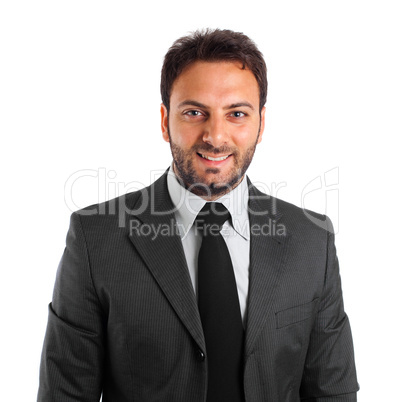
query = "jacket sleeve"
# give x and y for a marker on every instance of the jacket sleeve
(329, 372)
(73, 351)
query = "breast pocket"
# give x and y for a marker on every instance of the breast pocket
(295, 314)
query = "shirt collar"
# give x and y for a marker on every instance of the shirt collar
(188, 205)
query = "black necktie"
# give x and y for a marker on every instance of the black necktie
(218, 303)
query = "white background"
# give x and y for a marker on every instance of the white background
(79, 92)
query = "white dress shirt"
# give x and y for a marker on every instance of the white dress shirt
(237, 237)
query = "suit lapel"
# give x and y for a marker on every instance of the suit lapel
(268, 248)
(158, 242)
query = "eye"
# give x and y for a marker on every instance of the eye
(238, 114)
(194, 113)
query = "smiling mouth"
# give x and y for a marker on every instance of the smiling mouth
(210, 158)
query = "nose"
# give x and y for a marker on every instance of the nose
(215, 131)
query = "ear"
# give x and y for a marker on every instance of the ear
(262, 125)
(164, 123)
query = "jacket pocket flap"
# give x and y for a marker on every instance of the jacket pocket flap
(295, 314)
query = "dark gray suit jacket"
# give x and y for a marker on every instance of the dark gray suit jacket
(124, 320)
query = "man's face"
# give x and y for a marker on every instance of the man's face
(213, 126)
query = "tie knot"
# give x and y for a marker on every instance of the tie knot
(212, 217)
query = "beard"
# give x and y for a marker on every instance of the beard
(220, 184)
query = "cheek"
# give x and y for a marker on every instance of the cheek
(245, 138)
(183, 135)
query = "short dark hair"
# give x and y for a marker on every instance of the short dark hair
(212, 46)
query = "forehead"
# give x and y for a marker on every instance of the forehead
(215, 83)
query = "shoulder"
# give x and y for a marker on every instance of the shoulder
(107, 216)
(116, 213)
(296, 219)
(123, 202)
(297, 216)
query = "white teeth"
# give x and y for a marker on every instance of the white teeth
(215, 159)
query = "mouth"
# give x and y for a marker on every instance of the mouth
(217, 159)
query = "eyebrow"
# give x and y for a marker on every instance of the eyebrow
(240, 104)
(190, 102)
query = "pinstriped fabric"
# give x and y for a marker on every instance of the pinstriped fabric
(145, 296)
(304, 348)
(120, 299)
(72, 331)
(341, 398)
(124, 318)
(328, 363)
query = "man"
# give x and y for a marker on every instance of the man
(199, 287)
